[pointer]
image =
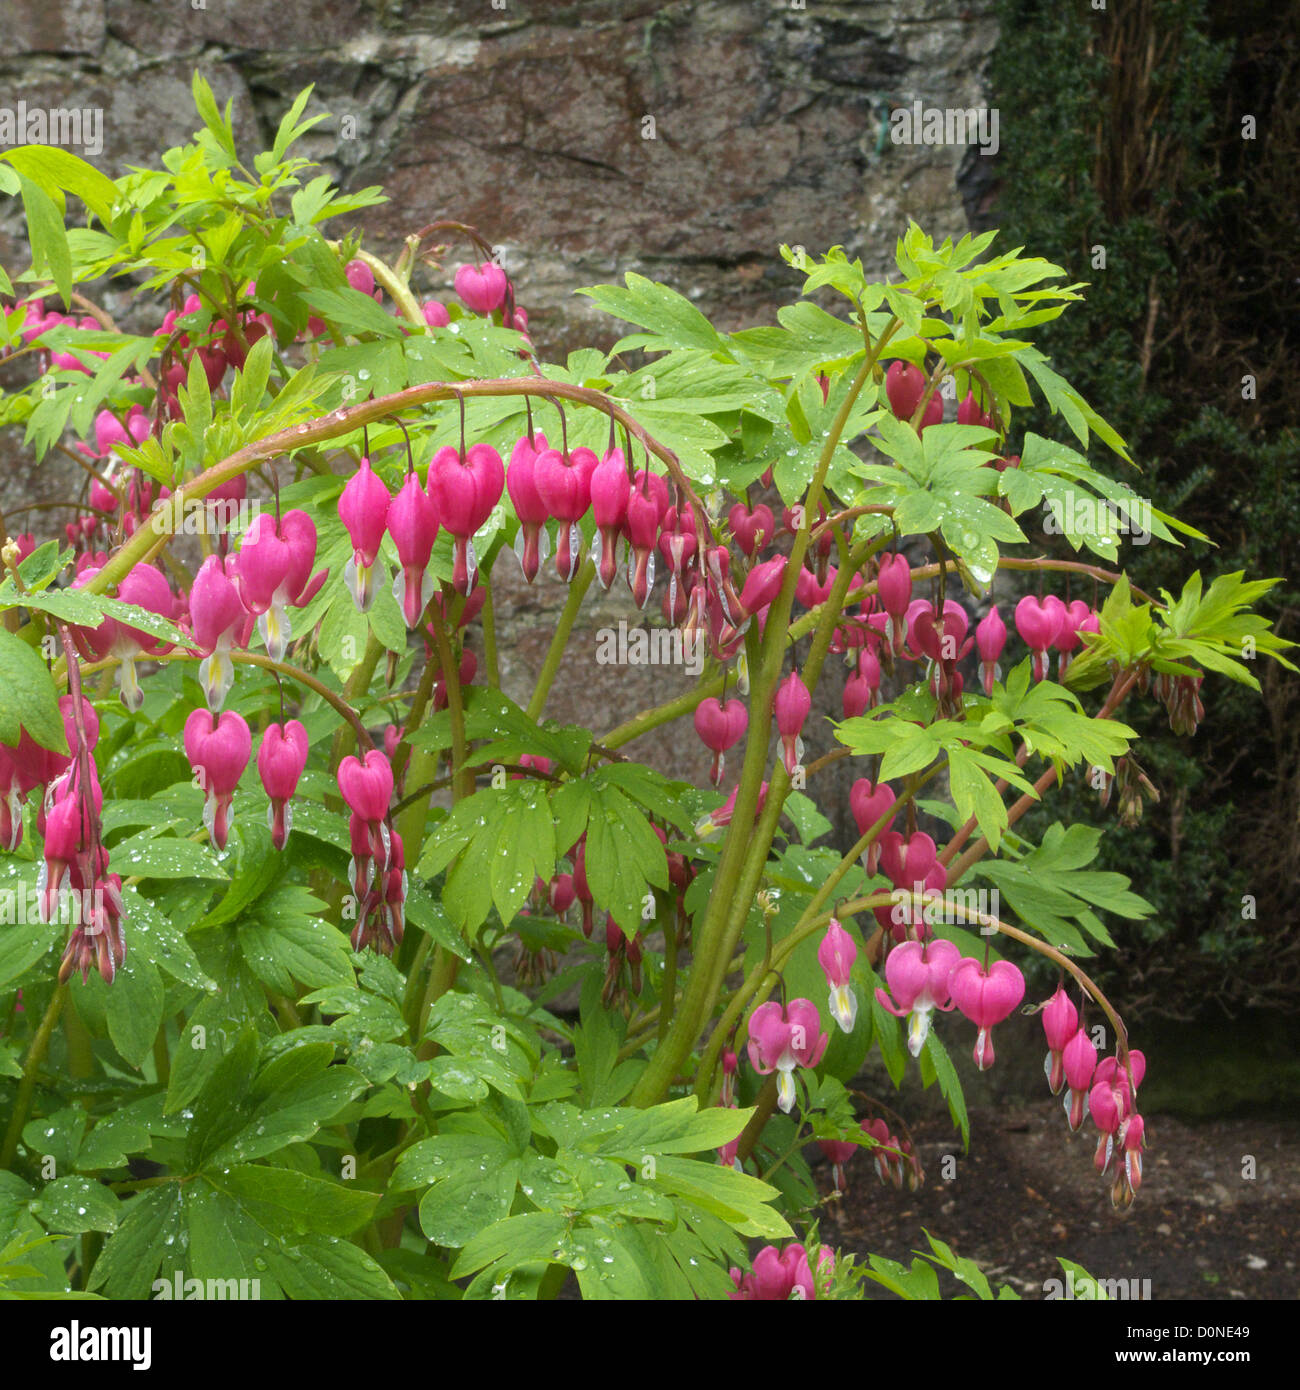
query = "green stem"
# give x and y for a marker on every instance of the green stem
(354, 690)
(462, 782)
(411, 994)
(660, 715)
(395, 286)
(555, 654)
(161, 1057)
(490, 656)
(441, 978)
(668, 990)
(715, 939)
(27, 1083)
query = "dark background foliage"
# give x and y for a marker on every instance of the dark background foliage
(1125, 132)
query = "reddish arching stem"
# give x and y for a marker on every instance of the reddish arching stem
(280, 668)
(156, 532)
(893, 1115)
(471, 234)
(847, 514)
(931, 386)
(84, 463)
(1005, 929)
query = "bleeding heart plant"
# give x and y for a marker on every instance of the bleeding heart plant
(366, 1039)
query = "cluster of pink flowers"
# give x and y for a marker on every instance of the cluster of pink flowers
(893, 1158)
(926, 975)
(912, 630)
(1106, 1090)
(781, 1275)
(1046, 625)
(377, 868)
(219, 748)
(74, 869)
(271, 573)
(783, 1039)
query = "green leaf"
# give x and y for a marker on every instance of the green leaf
(220, 129)
(326, 1267)
(49, 238)
(129, 1261)
(250, 384)
(673, 321)
(518, 1240)
(949, 1084)
(1083, 1286)
(471, 1181)
(291, 1098)
(974, 794)
(290, 1203)
(290, 129)
(741, 1201)
(30, 702)
(76, 1204)
(967, 1271)
(156, 938)
(624, 856)
(283, 940)
(163, 857)
(354, 312)
(135, 1008)
(1049, 886)
(24, 938)
(59, 169)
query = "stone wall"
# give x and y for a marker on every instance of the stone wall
(528, 120)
